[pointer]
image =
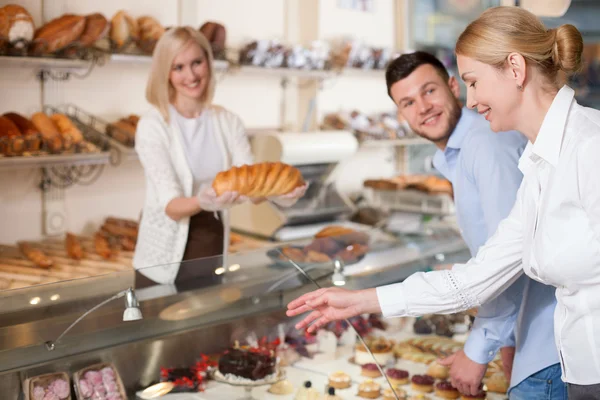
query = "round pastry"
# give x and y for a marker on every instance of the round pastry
(369, 389)
(422, 383)
(381, 349)
(497, 383)
(397, 376)
(445, 390)
(418, 397)
(282, 388)
(306, 392)
(331, 395)
(389, 395)
(481, 395)
(340, 380)
(438, 371)
(370, 370)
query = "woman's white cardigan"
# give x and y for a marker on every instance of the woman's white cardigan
(161, 240)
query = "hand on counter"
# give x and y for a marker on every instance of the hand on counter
(465, 374)
(209, 201)
(289, 199)
(332, 304)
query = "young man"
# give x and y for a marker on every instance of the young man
(483, 169)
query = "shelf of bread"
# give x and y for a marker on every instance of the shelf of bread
(427, 194)
(52, 137)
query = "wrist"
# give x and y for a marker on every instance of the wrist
(369, 302)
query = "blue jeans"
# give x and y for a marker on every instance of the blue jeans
(543, 385)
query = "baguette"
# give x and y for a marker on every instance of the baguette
(48, 130)
(73, 247)
(259, 180)
(37, 256)
(58, 33)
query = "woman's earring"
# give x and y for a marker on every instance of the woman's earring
(520, 87)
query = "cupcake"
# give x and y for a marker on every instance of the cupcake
(340, 380)
(397, 376)
(369, 389)
(422, 383)
(445, 390)
(370, 370)
(282, 388)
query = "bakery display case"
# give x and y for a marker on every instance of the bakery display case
(79, 325)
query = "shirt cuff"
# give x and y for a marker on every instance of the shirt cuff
(480, 349)
(391, 300)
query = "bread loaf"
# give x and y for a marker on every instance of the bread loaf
(216, 35)
(25, 126)
(11, 140)
(123, 131)
(73, 247)
(258, 180)
(343, 235)
(16, 25)
(8, 128)
(58, 33)
(49, 131)
(96, 28)
(124, 29)
(69, 132)
(102, 246)
(150, 31)
(35, 255)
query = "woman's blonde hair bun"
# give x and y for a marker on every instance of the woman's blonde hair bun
(567, 50)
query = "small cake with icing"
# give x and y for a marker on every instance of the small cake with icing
(369, 389)
(370, 370)
(282, 388)
(397, 376)
(445, 390)
(480, 395)
(307, 392)
(340, 380)
(422, 383)
(245, 363)
(389, 395)
(331, 394)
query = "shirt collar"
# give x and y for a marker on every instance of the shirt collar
(459, 133)
(549, 139)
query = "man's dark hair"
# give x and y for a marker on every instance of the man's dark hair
(406, 64)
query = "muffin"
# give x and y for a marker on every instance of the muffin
(370, 370)
(397, 376)
(445, 390)
(369, 389)
(422, 383)
(340, 380)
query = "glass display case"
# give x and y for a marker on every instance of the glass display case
(111, 321)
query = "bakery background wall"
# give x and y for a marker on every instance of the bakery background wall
(117, 89)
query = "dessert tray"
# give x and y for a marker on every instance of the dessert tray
(247, 384)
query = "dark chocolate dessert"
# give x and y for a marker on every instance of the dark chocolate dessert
(444, 385)
(397, 373)
(253, 364)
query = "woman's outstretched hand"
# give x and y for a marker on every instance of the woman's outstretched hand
(332, 304)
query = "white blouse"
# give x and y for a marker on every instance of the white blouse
(552, 234)
(201, 147)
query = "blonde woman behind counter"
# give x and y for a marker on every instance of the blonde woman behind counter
(182, 143)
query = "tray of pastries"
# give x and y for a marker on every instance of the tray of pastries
(331, 243)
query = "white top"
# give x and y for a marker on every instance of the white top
(159, 144)
(201, 147)
(552, 234)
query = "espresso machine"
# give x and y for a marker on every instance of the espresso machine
(316, 155)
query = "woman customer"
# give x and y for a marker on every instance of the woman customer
(512, 65)
(182, 143)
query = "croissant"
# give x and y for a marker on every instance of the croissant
(259, 180)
